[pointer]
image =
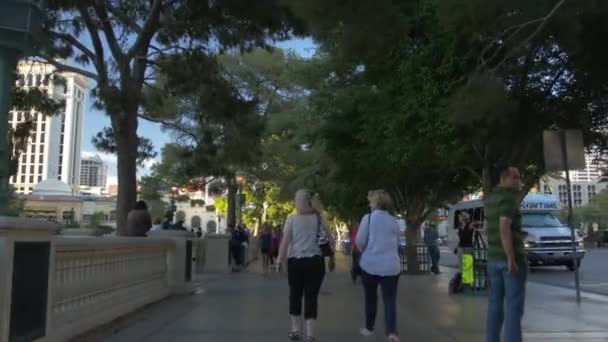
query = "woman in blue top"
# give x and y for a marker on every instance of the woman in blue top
(378, 241)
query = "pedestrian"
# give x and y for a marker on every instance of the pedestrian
(355, 270)
(139, 221)
(507, 263)
(179, 225)
(465, 232)
(157, 224)
(167, 222)
(236, 247)
(304, 236)
(378, 240)
(199, 232)
(430, 240)
(266, 246)
(276, 243)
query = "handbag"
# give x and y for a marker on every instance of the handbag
(326, 250)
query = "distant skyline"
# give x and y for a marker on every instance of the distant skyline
(96, 120)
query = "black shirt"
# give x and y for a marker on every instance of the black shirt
(465, 235)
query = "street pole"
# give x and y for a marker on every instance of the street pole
(572, 234)
(239, 205)
(265, 214)
(8, 63)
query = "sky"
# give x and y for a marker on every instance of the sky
(96, 120)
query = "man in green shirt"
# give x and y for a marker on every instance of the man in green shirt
(507, 263)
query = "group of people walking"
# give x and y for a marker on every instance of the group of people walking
(376, 254)
(303, 250)
(306, 242)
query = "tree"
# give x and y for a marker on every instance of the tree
(594, 212)
(534, 72)
(379, 111)
(522, 67)
(105, 141)
(151, 190)
(216, 115)
(126, 40)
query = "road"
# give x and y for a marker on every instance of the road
(593, 272)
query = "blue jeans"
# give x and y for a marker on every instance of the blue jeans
(434, 253)
(506, 301)
(388, 286)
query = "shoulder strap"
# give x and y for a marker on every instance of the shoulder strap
(318, 225)
(369, 226)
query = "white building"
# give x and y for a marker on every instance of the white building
(54, 148)
(582, 192)
(591, 172)
(54, 200)
(93, 172)
(585, 184)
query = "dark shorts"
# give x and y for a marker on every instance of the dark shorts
(266, 251)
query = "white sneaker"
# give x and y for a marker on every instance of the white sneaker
(366, 333)
(393, 338)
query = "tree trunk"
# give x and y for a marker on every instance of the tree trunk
(486, 180)
(232, 188)
(411, 237)
(125, 129)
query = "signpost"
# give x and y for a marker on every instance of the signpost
(564, 151)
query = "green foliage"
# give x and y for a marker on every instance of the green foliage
(127, 42)
(595, 212)
(105, 141)
(157, 208)
(16, 205)
(73, 225)
(97, 219)
(221, 204)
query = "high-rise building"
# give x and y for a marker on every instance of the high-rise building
(585, 184)
(93, 172)
(54, 147)
(591, 172)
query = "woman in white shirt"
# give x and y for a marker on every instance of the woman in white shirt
(378, 239)
(305, 262)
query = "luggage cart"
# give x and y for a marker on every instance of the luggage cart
(479, 256)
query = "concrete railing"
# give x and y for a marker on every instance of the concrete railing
(96, 280)
(54, 288)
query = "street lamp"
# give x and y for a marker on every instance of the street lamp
(240, 197)
(265, 205)
(20, 20)
(173, 204)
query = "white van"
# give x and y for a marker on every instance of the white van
(548, 241)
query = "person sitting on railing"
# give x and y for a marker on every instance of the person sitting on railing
(157, 224)
(179, 225)
(139, 221)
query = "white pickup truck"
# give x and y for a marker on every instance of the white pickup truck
(548, 241)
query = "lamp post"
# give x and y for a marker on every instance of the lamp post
(265, 205)
(173, 205)
(240, 197)
(20, 20)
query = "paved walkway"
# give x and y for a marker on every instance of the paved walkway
(248, 307)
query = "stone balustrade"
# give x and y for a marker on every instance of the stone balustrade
(96, 280)
(54, 288)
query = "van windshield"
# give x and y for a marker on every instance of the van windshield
(540, 220)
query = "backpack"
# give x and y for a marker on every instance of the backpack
(456, 285)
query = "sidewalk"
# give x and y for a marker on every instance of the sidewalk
(248, 307)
